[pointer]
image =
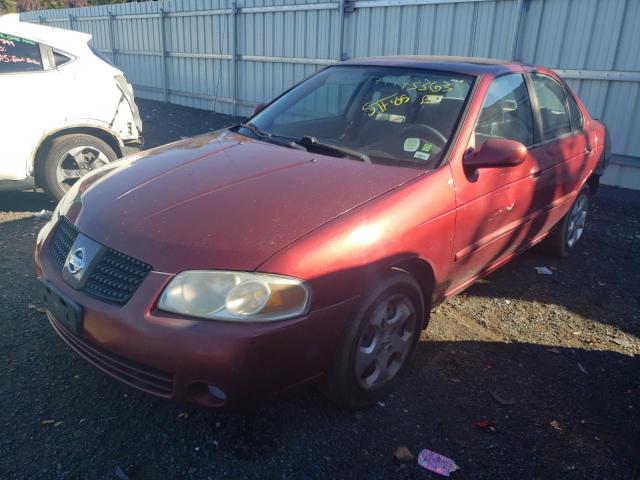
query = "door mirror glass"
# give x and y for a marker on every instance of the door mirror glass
(496, 152)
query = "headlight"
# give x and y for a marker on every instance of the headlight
(235, 296)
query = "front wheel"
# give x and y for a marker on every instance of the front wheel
(570, 230)
(69, 158)
(379, 344)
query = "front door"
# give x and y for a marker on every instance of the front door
(493, 205)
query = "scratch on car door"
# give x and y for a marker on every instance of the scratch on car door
(501, 211)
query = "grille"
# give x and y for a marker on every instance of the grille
(63, 239)
(139, 376)
(115, 278)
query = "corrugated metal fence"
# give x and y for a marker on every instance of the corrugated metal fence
(228, 56)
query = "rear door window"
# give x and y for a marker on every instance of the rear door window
(506, 112)
(553, 107)
(19, 55)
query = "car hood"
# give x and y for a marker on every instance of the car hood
(222, 201)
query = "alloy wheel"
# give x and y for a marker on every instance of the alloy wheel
(76, 163)
(385, 342)
(577, 220)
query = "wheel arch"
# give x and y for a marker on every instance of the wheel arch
(423, 273)
(45, 143)
(593, 182)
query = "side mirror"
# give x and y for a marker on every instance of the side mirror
(496, 152)
(258, 108)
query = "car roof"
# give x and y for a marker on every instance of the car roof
(464, 65)
(67, 40)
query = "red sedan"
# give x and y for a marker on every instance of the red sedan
(309, 244)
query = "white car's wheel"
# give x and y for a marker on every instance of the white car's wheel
(69, 158)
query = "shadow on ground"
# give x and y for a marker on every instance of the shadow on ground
(600, 281)
(27, 201)
(560, 412)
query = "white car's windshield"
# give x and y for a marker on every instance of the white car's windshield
(387, 114)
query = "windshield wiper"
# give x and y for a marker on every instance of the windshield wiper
(272, 137)
(254, 129)
(313, 142)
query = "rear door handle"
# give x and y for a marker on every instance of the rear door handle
(536, 173)
(588, 150)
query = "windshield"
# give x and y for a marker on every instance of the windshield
(391, 115)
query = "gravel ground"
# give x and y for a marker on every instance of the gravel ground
(548, 365)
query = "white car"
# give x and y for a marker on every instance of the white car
(66, 110)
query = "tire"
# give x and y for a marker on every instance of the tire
(68, 158)
(566, 234)
(352, 382)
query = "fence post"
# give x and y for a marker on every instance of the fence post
(515, 34)
(163, 48)
(111, 40)
(72, 22)
(341, 6)
(234, 57)
(43, 21)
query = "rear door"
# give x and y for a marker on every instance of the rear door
(562, 151)
(494, 204)
(29, 102)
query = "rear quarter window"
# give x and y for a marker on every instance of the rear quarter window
(19, 55)
(60, 58)
(574, 112)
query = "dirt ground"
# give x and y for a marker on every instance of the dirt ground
(547, 365)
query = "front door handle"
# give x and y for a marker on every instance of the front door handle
(588, 149)
(536, 173)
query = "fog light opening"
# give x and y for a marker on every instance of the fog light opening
(217, 393)
(207, 394)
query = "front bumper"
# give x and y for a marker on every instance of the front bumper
(179, 358)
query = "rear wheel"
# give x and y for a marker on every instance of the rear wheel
(570, 230)
(379, 344)
(69, 158)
